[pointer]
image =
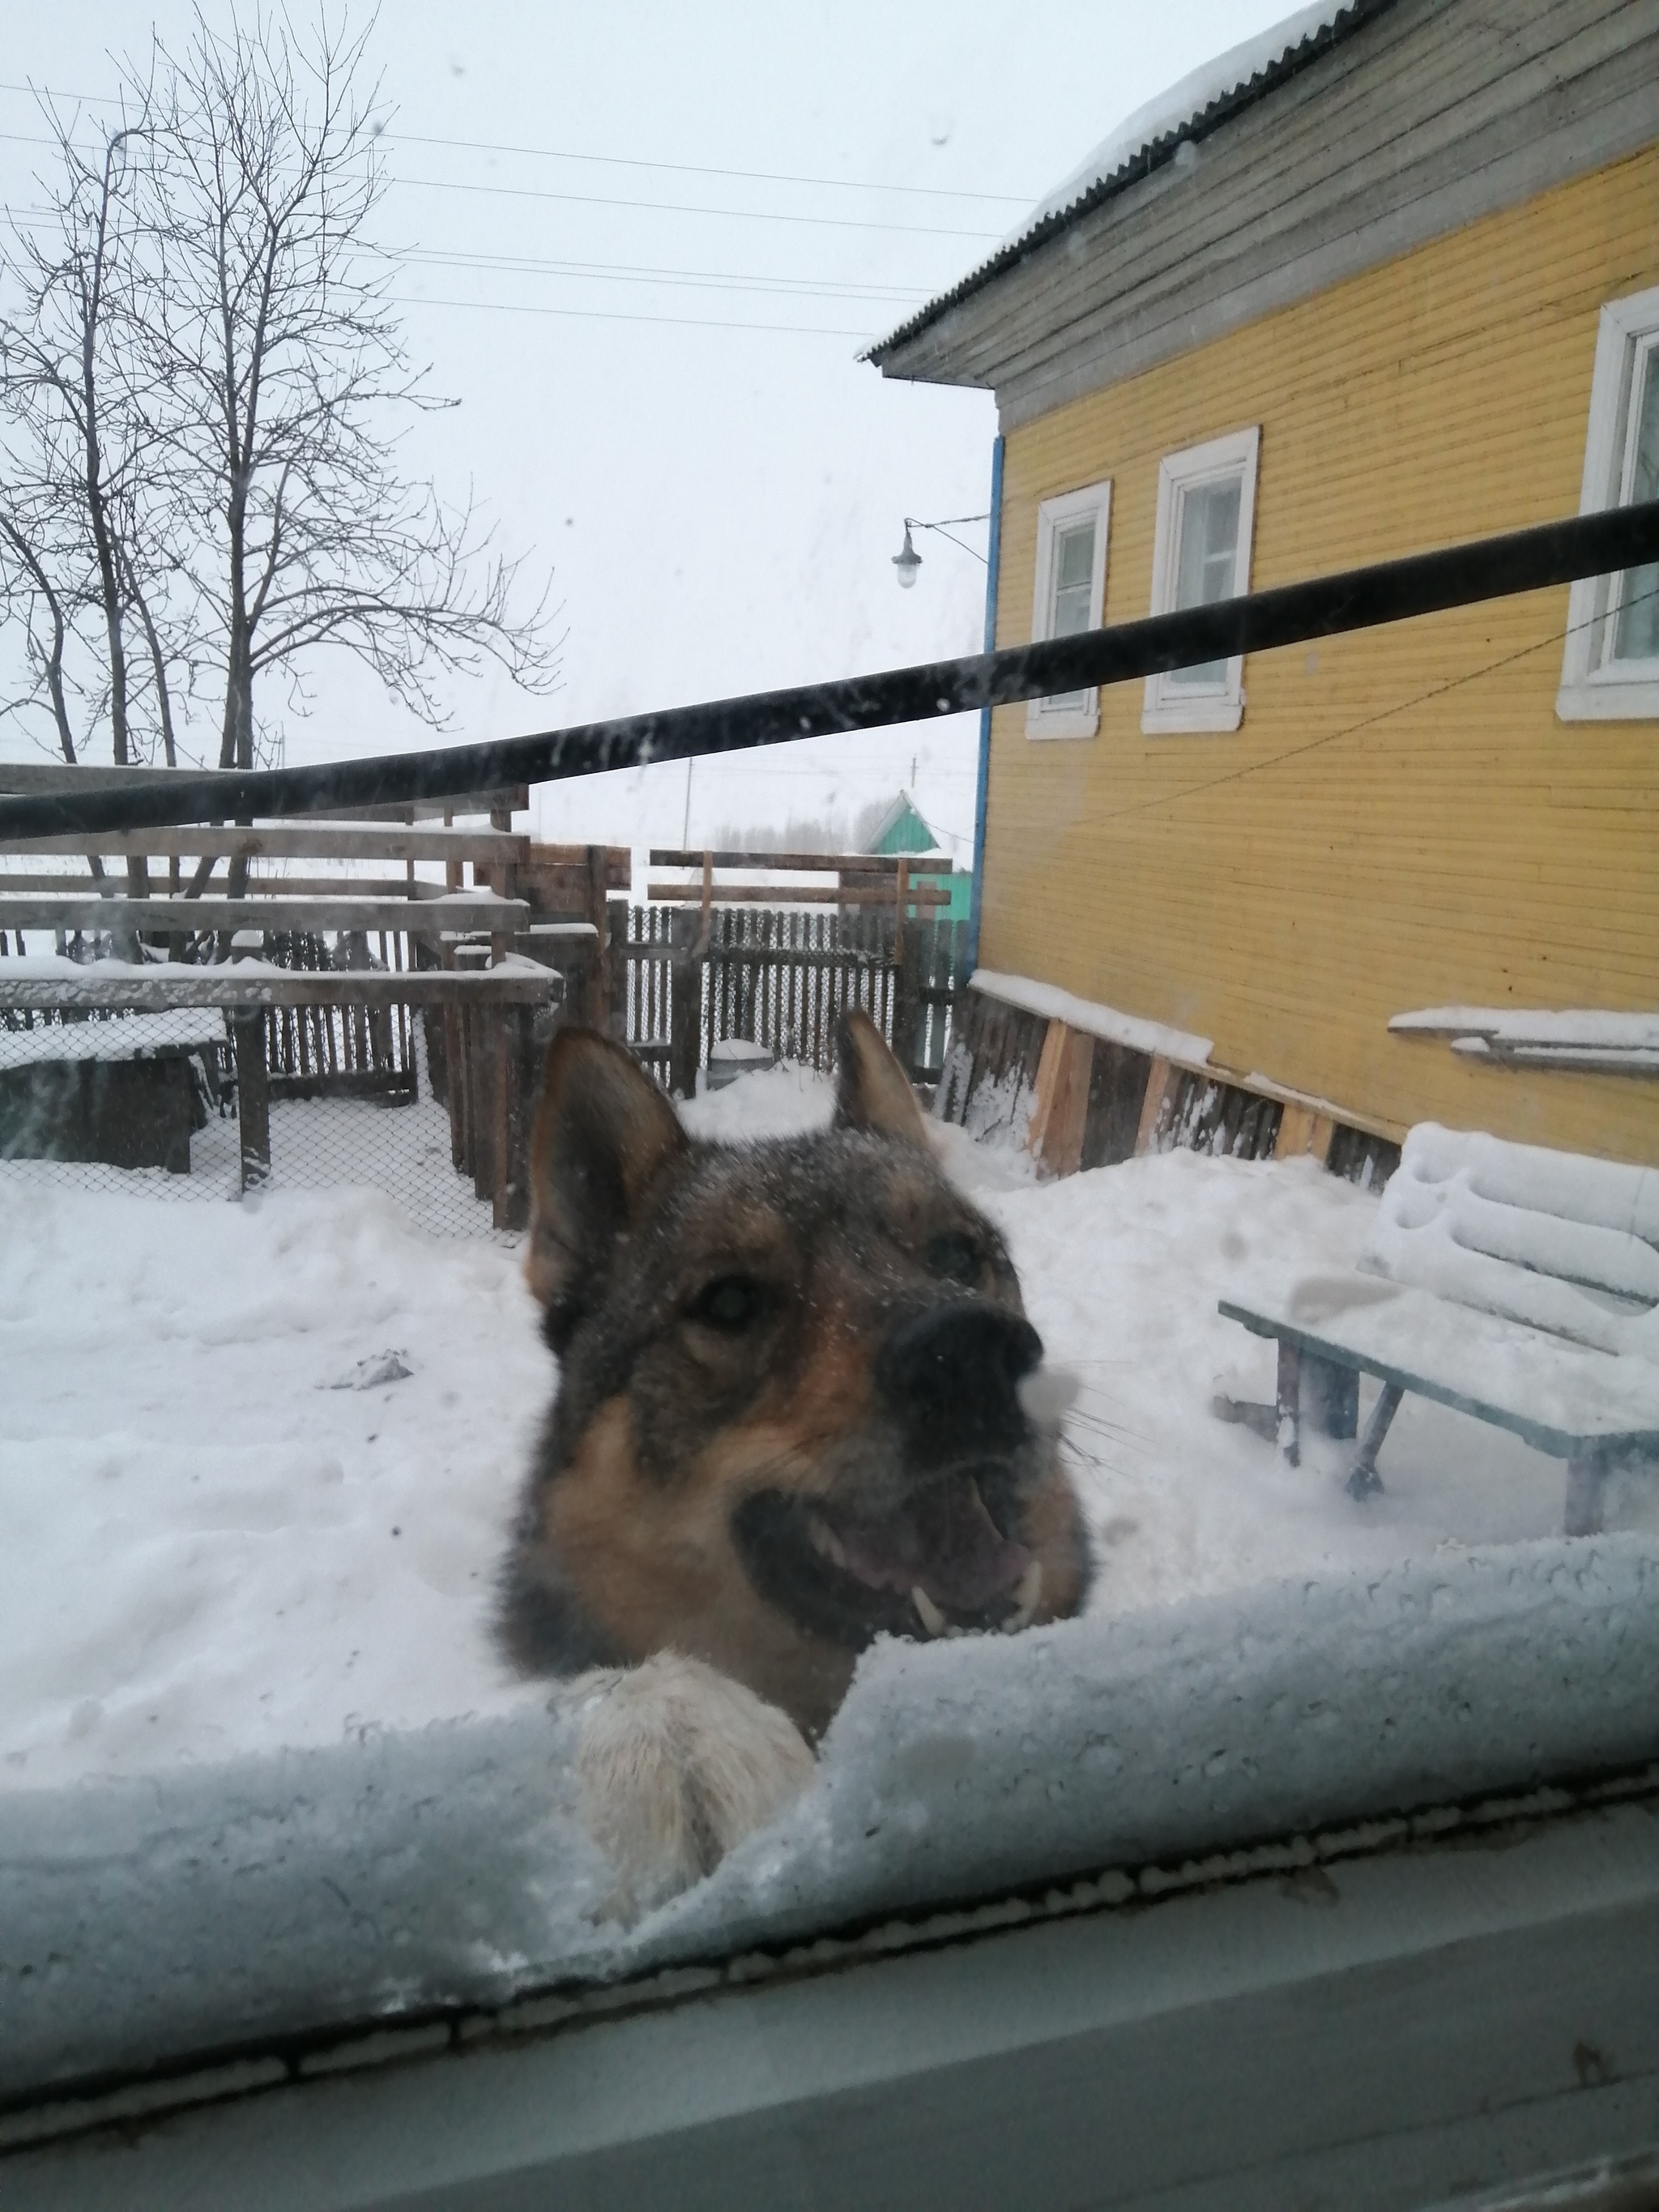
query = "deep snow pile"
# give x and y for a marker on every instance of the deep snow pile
(226, 1532)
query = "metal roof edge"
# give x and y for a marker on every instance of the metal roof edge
(1147, 158)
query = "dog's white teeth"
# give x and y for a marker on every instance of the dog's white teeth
(825, 1539)
(1027, 1598)
(932, 1618)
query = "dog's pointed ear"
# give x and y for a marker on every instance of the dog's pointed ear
(604, 1133)
(873, 1092)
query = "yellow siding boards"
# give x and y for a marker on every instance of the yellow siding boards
(1401, 821)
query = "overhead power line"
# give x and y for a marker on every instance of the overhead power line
(649, 207)
(1326, 606)
(599, 161)
(620, 315)
(686, 207)
(702, 169)
(629, 272)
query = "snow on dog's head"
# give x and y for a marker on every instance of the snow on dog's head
(795, 1408)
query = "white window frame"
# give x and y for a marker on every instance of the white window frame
(1595, 688)
(1171, 708)
(1044, 717)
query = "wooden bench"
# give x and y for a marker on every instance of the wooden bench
(1515, 1284)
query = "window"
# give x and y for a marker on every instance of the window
(1070, 591)
(1200, 554)
(1610, 669)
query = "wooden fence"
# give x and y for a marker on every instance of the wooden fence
(779, 976)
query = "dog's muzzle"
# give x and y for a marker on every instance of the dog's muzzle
(951, 1377)
(935, 1548)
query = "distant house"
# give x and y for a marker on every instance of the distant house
(901, 829)
(1381, 282)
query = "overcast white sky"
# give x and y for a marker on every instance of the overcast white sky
(715, 483)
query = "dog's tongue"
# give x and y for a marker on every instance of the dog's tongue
(945, 1541)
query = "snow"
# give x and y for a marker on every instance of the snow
(1565, 1185)
(1047, 999)
(59, 968)
(1547, 1238)
(135, 1037)
(1593, 1028)
(1175, 109)
(260, 1765)
(315, 1888)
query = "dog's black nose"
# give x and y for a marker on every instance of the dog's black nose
(950, 1378)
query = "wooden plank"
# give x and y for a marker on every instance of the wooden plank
(455, 910)
(508, 799)
(286, 841)
(232, 984)
(685, 1004)
(1162, 1082)
(1303, 1134)
(29, 778)
(776, 895)
(253, 1099)
(1062, 1147)
(864, 864)
(1047, 1076)
(618, 861)
(1117, 1089)
(61, 884)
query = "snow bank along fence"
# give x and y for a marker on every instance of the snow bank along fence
(1084, 1085)
(714, 963)
(245, 1027)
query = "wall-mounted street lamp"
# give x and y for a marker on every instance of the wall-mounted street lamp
(907, 560)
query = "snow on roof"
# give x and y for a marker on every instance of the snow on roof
(1189, 109)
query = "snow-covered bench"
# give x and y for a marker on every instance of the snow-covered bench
(1515, 1284)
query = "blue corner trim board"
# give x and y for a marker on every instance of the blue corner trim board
(982, 783)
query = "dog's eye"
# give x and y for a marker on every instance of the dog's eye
(954, 1256)
(732, 1303)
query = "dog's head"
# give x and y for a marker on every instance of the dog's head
(793, 1411)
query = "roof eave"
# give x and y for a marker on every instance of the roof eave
(1142, 164)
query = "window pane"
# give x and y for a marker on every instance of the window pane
(1635, 633)
(1206, 562)
(1074, 564)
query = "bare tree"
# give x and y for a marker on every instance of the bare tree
(76, 440)
(272, 325)
(205, 322)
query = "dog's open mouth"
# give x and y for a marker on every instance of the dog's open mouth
(939, 1565)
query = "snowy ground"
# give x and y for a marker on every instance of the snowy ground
(224, 1535)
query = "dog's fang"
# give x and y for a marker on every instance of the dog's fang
(825, 1539)
(932, 1618)
(1026, 1599)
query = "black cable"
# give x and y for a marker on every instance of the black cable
(1358, 599)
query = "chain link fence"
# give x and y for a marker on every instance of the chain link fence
(156, 1099)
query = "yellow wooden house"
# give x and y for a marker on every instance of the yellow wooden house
(1387, 280)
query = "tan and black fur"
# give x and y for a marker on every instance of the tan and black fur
(793, 1403)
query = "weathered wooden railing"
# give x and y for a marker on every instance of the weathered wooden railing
(365, 960)
(779, 976)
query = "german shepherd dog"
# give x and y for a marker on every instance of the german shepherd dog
(799, 1408)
